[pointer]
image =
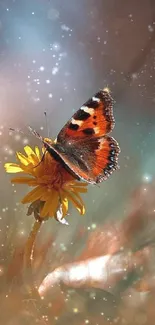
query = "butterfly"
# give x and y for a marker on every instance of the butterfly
(83, 146)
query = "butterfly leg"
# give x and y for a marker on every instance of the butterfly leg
(42, 158)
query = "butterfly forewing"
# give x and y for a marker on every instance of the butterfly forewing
(94, 118)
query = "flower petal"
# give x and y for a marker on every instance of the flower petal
(34, 195)
(78, 197)
(24, 160)
(46, 195)
(64, 203)
(45, 210)
(28, 150)
(37, 151)
(24, 180)
(54, 205)
(81, 201)
(34, 160)
(65, 206)
(78, 189)
(51, 205)
(82, 210)
(32, 157)
(27, 169)
(12, 168)
(77, 183)
(78, 205)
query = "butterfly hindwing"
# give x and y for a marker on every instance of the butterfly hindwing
(92, 161)
(106, 158)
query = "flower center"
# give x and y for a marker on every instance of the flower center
(51, 174)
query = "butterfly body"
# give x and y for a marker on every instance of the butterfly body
(83, 146)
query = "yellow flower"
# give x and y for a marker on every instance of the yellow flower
(53, 185)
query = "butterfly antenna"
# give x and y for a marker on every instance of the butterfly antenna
(16, 130)
(32, 131)
(47, 125)
(35, 133)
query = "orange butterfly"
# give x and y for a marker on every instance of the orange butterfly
(83, 146)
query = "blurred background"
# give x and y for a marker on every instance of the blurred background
(54, 55)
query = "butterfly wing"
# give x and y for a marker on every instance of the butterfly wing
(83, 145)
(94, 118)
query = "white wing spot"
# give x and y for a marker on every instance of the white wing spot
(95, 99)
(73, 121)
(87, 110)
(96, 130)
